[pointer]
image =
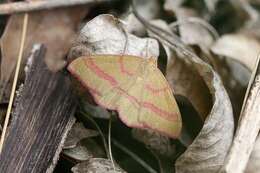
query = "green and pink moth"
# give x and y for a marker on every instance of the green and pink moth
(134, 87)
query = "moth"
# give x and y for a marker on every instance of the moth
(134, 87)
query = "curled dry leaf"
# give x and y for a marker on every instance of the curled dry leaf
(96, 165)
(54, 28)
(84, 150)
(209, 149)
(76, 134)
(191, 28)
(244, 48)
(253, 165)
(185, 80)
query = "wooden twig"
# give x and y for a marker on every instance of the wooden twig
(42, 117)
(248, 127)
(18, 64)
(19, 7)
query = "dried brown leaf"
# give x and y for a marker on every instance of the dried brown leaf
(208, 151)
(210, 147)
(54, 28)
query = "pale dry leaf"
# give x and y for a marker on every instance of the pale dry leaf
(96, 165)
(79, 153)
(253, 165)
(76, 134)
(208, 151)
(54, 28)
(244, 48)
(193, 33)
(113, 40)
(191, 28)
(172, 5)
(150, 9)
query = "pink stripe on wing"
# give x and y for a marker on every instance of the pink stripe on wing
(122, 67)
(99, 72)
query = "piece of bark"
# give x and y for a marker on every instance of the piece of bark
(27, 6)
(248, 127)
(253, 165)
(42, 117)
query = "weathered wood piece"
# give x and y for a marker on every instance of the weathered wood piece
(19, 7)
(248, 127)
(42, 117)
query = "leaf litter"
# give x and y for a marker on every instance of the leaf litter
(200, 67)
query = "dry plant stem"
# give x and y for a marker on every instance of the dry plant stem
(248, 127)
(7, 117)
(19, 7)
(109, 144)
